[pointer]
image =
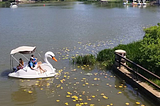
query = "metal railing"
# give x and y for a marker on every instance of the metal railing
(138, 75)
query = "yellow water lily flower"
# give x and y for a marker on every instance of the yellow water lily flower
(74, 100)
(78, 104)
(80, 99)
(93, 96)
(59, 85)
(83, 92)
(102, 93)
(105, 97)
(111, 104)
(85, 103)
(36, 83)
(69, 93)
(127, 104)
(68, 96)
(75, 97)
(89, 99)
(57, 100)
(48, 84)
(66, 103)
(48, 79)
(95, 79)
(87, 83)
(30, 92)
(80, 95)
(120, 86)
(137, 103)
(119, 92)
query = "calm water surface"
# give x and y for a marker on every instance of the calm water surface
(69, 29)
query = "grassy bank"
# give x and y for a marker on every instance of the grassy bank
(106, 57)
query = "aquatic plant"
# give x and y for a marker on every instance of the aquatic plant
(86, 59)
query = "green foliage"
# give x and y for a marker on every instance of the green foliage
(105, 55)
(86, 59)
(156, 81)
(150, 47)
(132, 50)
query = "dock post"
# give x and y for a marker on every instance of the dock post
(122, 53)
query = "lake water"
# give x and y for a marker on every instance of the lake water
(70, 29)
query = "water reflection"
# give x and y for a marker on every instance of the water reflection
(21, 97)
(29, 88)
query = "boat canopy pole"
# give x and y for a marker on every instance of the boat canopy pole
(40, 56)
(15, 59)
(25, 57)
(11, 62)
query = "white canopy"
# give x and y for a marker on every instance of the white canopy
(23, 50)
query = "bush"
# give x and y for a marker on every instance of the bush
(150, 47)
(132, 50)
(105, 55)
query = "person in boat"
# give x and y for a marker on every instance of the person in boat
(34, 66)
(21, 64)
(34, 59)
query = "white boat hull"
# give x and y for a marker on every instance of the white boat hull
(13, 6)
(27, 72)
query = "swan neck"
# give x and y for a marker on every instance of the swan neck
(46, 60)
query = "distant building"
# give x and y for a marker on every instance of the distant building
(104, 0)
(25, 1)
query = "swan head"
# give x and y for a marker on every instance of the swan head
(50, 55)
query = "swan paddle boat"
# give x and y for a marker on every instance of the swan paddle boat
(26, 71)
(13, 5)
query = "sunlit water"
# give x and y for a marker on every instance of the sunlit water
(70, 29)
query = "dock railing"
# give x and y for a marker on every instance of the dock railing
(121, 60)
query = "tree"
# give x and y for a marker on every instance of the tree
(150, 47)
